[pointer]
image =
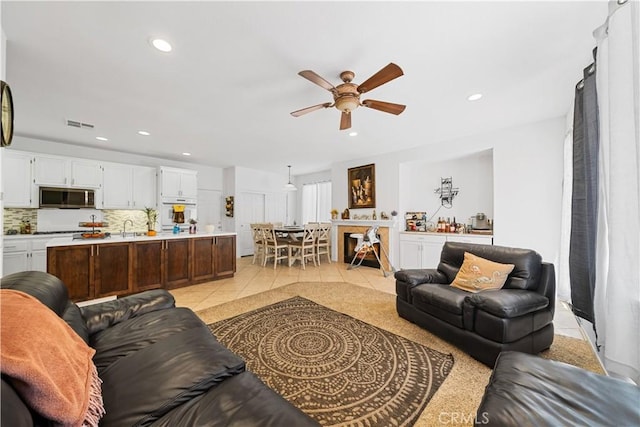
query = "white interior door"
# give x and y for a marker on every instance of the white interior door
(250, 209)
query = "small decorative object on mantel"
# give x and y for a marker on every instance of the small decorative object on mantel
(192, 226)
(229, 206)
(345, 214)
(383, 215)
(334, 213)
(362, 187)
(446, 191)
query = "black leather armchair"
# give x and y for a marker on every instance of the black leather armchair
(517, 317)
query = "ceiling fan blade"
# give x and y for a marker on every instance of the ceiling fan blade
(345, 121)
(315, 78)
(388, 73)
(387, 107)
(299, 113)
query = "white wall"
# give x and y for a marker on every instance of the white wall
(527, 181)
(471, 174)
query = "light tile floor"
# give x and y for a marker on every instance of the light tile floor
(253, 278)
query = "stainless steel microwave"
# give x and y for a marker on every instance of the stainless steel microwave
(69, 198)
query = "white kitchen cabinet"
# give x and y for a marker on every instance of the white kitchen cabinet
(55, 171)
(182, 183)
(128, 186)
(24, 255)
(422, 250)
(19, 191)
(144, 183)
(471, 238)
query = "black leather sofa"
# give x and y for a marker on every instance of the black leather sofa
(517, 317)
(526, 390)
(160, 365)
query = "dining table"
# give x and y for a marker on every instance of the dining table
(289, 231)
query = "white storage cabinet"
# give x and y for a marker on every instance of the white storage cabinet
(56, 171)
(19, 191)
(128, 186)
(24, 255)
(422, 250)
(176, 183)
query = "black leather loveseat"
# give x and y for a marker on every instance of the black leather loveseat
(160, 365)
(517, 317)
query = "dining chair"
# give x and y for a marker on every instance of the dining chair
(274, 246)
(305, 247)
(257, 232)
(323, 241)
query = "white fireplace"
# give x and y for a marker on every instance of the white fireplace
(387, 229)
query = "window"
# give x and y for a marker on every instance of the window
(316, 202)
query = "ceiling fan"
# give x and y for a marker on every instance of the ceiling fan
(346, 96)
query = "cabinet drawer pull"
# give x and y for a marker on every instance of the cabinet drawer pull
(10, 247)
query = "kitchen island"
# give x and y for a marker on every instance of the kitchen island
(116, 265)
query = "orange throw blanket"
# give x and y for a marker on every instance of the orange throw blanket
(49, 365)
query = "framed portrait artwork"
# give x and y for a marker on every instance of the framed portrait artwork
(362, 187)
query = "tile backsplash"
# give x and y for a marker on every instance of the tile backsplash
(14, 217)
(68, 219)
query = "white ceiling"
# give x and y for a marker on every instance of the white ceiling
(225, 92)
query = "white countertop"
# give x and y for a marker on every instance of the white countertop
(116, 238)
(433, 233)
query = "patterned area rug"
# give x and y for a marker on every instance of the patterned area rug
(337, 369)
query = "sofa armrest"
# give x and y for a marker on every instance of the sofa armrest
(508, 303)
(103, 315)
(416, 277)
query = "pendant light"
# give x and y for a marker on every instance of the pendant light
(289, 186)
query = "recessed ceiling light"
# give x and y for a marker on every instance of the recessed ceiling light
(161, 45)
(474, 97)
(101, 138)
(143, 132)
(186, 154)
(353, 133)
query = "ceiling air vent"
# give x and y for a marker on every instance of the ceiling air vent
(79, 125)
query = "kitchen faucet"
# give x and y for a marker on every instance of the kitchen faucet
(124, 227)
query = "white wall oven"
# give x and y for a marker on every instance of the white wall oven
(177, 211)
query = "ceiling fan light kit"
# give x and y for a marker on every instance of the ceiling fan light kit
(346, 96)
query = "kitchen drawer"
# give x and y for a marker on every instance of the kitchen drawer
(39, 244)
(16, 246)
(479, 240)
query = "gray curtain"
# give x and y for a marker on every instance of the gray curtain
(584, 204)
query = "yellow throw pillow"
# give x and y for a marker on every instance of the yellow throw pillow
(479, 274)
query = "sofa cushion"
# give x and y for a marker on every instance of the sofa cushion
(45, 287)
(526, 390)
(508, 303)
(442, 296)
(74, 319)
(478, 274)
(419, 276)
(145, 385)
(243, 401)
(137, 333)
(525, 274)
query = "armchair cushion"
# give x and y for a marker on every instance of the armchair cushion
(101, 316)
(508, 303)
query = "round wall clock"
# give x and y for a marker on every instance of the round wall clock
(7, 114)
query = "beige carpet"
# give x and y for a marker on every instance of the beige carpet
(456, 401)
